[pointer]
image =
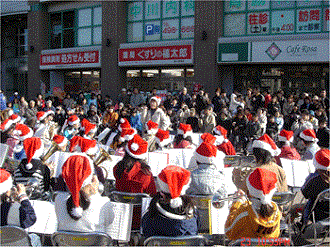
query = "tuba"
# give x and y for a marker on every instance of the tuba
(53, 148)
(103, 156)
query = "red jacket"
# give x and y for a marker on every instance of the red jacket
(183, 144)
(136, 181)
(227, 148)
(288, 152)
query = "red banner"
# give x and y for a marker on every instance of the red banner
(70, 58)
(175, 54)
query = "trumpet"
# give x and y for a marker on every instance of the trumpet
(219, 202)
(104, 155)
(31, 187)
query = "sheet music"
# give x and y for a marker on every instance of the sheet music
(231, 187)
(3, 153)
(109, 165)
(145, 205)
(46, 218)
(217, 218)
(187, 154)
(158, 161)
(120, 229)
(296, 171)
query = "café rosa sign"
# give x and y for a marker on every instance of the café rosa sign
(301, 50)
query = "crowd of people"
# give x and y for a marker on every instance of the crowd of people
(267, 126)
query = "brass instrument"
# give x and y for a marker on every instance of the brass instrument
(219, 202)
(53, 129)
(53, 148)
(31, 187)
(242, 163)
(104, 155)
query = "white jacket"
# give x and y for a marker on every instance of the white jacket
(159, 117)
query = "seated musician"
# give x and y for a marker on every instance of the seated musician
(222, 142)
(21, 132)
(183, 137)
(151, 130)
(88, 129)
(133, 174)
(71, 127)
(285, 139)
(163, 140)
(19, 213)
(82, 209)
(7, 137)
(257, 217)
(32, 167)
(171, 213)
(264, 150)
(315, 183)
(207, 176)
(309, 139)
(43, 129)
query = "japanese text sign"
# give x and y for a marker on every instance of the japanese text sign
(308, 20)
(283, 21)
(258, 23)
(176, 54)
(70, 59)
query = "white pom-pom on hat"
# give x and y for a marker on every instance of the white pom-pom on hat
(176, 202)
(134, 146)
(77, 212)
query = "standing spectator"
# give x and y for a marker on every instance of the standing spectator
(268, 97)
(323, 134)
(193, 120)
(30, 114)
(137, 98)
(324, 100)
(3, 101)
(225, 121)
(279, 120)
(239, 125)
(184, 97)
(68, 101)
(135, 121)
(262, 119)
(258, 100)
(84, 106)
(208, 120)
(273, 106)
(15, 106)
(252, 132)
(217, 102)
(201, 102)
(92, 100)
(23, 106)
(123, 97)
(280, 98)
(110, 117)
(248, 98)
(288, 106)
(49, 106)
(100, 103)
(40, 102)
(59, 117)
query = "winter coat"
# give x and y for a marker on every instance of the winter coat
(323, 135)
(164, 223)
(310, 152)
(158, 117)
(136, 100)
(208, 123)
(244, 222)
(206, 180)
(97, 217)
(135, 122)
(110, 119)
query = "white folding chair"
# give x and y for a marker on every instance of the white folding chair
(176, 241)
(66, 238)
(14, 236)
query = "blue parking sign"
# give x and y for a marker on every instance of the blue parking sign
(152, 29)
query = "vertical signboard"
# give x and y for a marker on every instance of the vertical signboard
(308, 20)
(258, 23)
(282, 22)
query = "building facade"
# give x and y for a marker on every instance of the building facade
(102, 46)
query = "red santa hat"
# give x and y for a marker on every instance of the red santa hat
(124, 124)
(50, 112)
(23, 131)
(90, 128)
(6, 181)
(267, 143)
(207, 137)
(33, 148)
(286, 136)
(207, 153)
(322, 159)
(157, 99)
(77, 173)
(152, 127)
(15, 118)
(308, 135)
(185, 130)
(137, 147)
(88, 146)
(60, 140)
(174, 180)
(261, 184)
(221, 133)
(6, 125)
(10, 112)
(41, 115)
(83, 123)
(75, 143)
(162, 137)
(73, 119)
(127, 134)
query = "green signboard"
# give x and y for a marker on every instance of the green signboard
(236, 52)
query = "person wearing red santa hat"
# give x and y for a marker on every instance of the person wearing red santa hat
(44, 129)
(155, 114)
(7, 136)
(309, 139)
(316, 183)
(133, 174)
(21, 132)
(170, 212)
(285, 138)
(183, 137)
(61, 141)
(264, 151)
(71, 127)
(207, 171)
(20, 212)
(149, 136)
(82, 208)
(88, 129)
(162, 139)
(222, 142)
(32, 167)
(257, 217)
(15, 118)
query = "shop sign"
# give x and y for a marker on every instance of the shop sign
(326, 19)
(258, 23)
(176, 54)
(79, 59)
(171, 29)
(309, 20)
(282, 21)
(290, 51)
(236, 52)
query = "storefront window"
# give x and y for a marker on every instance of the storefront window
(269, 17)
(22, 42)
(133, 73)
(172, 72)
(160, 20)
(190, 73)
(81, 27)
(150, 73)
(86, 81)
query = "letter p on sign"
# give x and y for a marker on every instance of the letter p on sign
(150, 29)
